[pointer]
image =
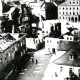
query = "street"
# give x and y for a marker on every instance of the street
(35, 70)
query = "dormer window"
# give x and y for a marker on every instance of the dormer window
(71, 57)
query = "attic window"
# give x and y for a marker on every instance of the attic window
(71, 56)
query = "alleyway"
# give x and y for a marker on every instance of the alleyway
(33, 70)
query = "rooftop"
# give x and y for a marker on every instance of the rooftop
(64, 59)
(8, 39)
(65, 45)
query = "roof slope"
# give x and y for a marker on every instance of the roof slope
(65, 45)
(64, 59)
(67, 4)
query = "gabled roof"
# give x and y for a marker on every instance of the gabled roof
(64, 59)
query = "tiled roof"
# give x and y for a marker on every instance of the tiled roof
(65, 45)
(64, 59)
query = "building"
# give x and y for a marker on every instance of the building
(11, 46)
(50, 10)
(68, 64)
(51, 26)
(69, 10)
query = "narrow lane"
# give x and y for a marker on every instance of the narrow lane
(35, 71)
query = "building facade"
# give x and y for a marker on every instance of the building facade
(69, 10)
(11, 47)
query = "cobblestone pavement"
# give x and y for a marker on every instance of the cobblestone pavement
(35, 70)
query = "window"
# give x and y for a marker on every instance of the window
(70, 70)
(38, 33)
(70, 13)
(21, 44)
(66, 13)
(47, 41)
(50, 41)
(70, 38)
(63, 8)
(59, 12)
(73, 2)
(59, 7)
(15, 48)
(5, 58)
(79, 72)
(9, 54)
(36, 41)
(61, 69)
(71, 56)
(69, 2)
(42, 31)
(66, 8)
(73, 13)
(73, 8)
(53, 50)
(46, 31)
(63, 12)
(67, 38)
(70, 8)
(63, 17)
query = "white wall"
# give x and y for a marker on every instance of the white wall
(65, 71)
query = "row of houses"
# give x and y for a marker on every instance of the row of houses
(11, 46)
(66, 10)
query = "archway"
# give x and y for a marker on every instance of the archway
(72, 19)
(76, 19)
(69, 18)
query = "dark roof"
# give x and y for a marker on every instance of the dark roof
(20, 35)
(65, 45)
(8, 36)
(17, 2)
(68, 33)
(49, 4)
(64, 59)
(66, 4)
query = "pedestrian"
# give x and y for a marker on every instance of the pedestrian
(36, 61)
(32, 60)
